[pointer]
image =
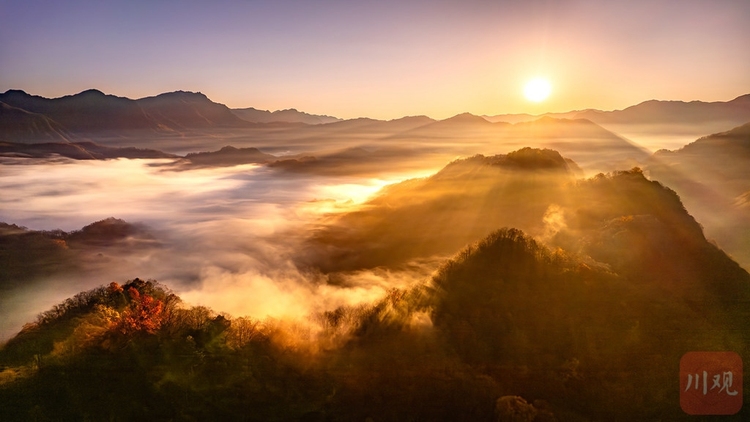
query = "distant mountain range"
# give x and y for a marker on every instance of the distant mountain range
(287, 116)
(31, 117)
(733, 113)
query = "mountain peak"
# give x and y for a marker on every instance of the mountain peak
(19, 92)
(91, 92)
(527, 158)
(180, 95)
(466, 118)
(548, 120)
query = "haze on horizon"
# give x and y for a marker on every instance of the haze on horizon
(383, 60)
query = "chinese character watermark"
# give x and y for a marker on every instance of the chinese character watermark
(711, 383)
(726, 382)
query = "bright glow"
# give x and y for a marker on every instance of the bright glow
(537, 90)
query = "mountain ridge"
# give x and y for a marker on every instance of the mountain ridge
(91, 111)
(290, 115)
(652, 111)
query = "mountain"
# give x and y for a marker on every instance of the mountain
(76, 151)
(93, 112)
(729, 113)
(227, 156)
(19, 124)
(550, 127)
(452, 126)
(27, 256)
(525, 117)
(597, 301)
(289, 116)
(105, 232)
(534, 190)
(505, 320)
(88, 111)
(405, 123)
(594, 148)
(438, 215)
(543, 127)
(712, 175)
(368, 160)
(368, 126)
(675, 112)
(730, 143)
(349, 124)
(594, 338)
(463, 119)
(188, 110)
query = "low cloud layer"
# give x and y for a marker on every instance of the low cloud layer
(221, 237)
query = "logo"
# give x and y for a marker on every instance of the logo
(711, 383)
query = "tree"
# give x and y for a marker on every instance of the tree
(144, 313)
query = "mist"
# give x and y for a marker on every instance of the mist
(220, 237)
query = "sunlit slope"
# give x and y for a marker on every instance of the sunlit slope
(463, 202)
(712, 175)
(530, 189)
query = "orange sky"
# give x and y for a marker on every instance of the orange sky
(382, 59)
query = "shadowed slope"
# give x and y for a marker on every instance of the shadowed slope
(184, 110)
(19, 124)
(29, 255)
(88, 111)
(92, 112)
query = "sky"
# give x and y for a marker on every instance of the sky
(382, 59)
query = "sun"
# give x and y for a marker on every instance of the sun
(537, 90)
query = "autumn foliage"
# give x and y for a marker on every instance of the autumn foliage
(144, 313)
